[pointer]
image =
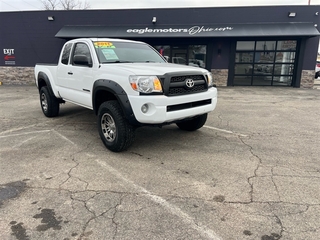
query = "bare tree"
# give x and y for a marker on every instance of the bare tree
(74, 4)
(50, 4)
(65, 4)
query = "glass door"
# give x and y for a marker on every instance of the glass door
(264, 63)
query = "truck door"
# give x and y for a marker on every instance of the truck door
(75, 80)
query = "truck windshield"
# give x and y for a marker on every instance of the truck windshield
(123, 52)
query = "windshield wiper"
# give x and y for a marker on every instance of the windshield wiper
(118, 61)
(149, 61)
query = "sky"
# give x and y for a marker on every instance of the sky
(30, 5)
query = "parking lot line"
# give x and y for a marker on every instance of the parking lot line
(17, 129)
(23, 142)
(63, 137)
(24, 133)
(225, 131)
(204, 231)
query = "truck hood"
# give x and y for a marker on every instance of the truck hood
(153, 68)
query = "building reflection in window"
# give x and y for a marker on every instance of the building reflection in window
(192, 55)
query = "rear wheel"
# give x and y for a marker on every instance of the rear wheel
(115, 131)
(194, 123)
(49, 103)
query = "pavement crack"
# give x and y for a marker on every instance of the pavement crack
(90, 206)
(274, 183)
(278, 221)
(115, 223)
(250, 182)
(74, 177)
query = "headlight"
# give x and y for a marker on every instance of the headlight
(145, 84)
(210, 79)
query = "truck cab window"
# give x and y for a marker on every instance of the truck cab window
(66, 54)
(81, 49)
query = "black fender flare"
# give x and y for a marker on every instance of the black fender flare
(45, 78)
(120, 94)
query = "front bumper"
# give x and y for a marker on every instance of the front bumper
(163, 109)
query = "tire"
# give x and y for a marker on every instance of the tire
(193, 124)
(115, 131)
(317, 75)
(49, 103)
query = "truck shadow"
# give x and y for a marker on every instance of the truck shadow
(71, 110)
(168, 137)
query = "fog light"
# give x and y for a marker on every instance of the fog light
(145, 108)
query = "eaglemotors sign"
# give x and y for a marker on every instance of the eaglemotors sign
(191, 31)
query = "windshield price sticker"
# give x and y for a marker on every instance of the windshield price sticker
(104, 45)
(109, 54)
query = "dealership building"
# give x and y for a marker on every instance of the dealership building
(241, 46)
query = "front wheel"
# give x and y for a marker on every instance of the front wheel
(194, 123)
(115, 131)
(49, 103)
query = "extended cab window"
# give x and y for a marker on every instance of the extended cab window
(66, 54)
(81, 49)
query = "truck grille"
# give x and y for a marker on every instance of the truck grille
(188, 84)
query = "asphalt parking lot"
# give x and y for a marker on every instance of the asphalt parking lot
(252, 172)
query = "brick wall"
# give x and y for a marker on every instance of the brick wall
(307, 79)
(17, 75)
(25, 76)
(220, 77)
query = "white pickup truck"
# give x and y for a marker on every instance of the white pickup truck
(128, 84)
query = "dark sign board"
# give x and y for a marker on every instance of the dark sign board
(229, 30)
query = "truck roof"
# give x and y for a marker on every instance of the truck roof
(107, 39)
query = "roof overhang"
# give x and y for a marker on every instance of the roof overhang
(206, 30)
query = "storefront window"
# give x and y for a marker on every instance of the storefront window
(263, 69)
(264, 57)
(197, 55)
(192, 55)
(283, 69)
(242, 80)
(283, 80)
(164, 51)
(266, 46)
(245, 45)
(288, 57)
(269, 63)
(243, 57)
(287, 45)
(243, 69)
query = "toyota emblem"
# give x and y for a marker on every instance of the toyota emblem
(189, 83)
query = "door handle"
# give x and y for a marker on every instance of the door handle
(70, 73)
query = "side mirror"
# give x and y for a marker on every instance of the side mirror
(82, 60)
